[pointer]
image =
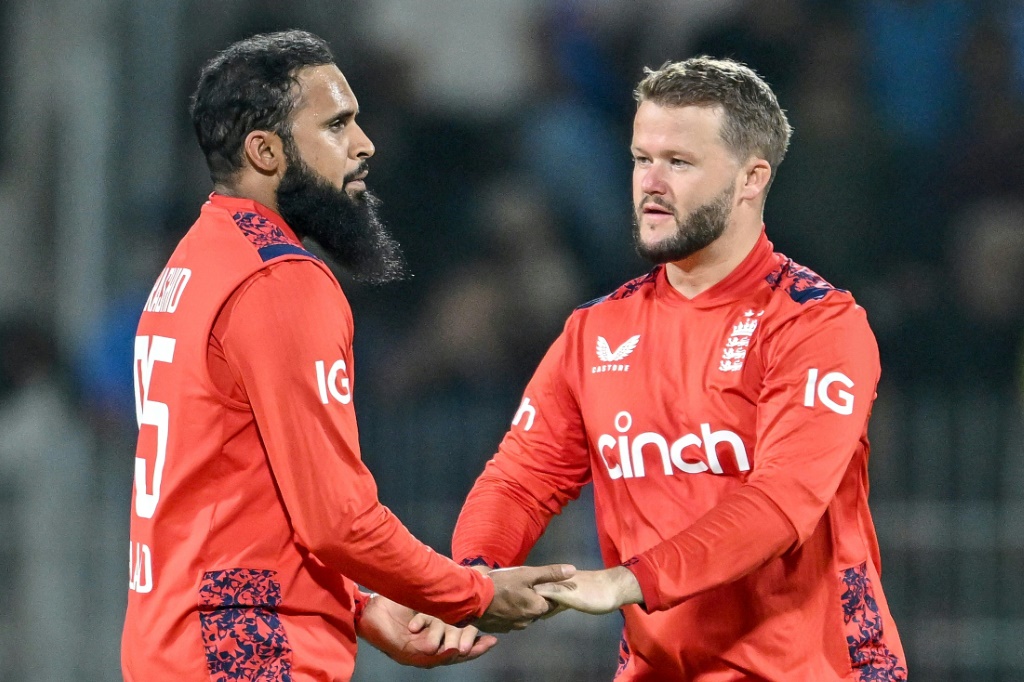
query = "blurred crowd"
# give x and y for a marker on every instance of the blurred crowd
(502, 159)
(502, 131)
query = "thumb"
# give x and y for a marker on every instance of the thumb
(552, 574)
(418, 622)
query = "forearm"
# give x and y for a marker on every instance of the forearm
(743, 532)
(499, 524)
(385, 557)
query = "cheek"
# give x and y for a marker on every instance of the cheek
(332, 151)
(340, 144)
(690, 187)
(334, 145)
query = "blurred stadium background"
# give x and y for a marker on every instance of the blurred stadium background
(501, 129)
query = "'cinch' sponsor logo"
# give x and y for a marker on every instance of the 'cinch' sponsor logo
(623, 454)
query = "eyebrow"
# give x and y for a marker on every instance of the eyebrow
(344, 115)
(667, 152)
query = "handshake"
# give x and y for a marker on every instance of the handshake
(526, 593)
(521, 596)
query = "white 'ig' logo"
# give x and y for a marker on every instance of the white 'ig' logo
(328, 381)
(845, 404)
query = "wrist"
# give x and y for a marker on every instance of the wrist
(626, 586)
(362, 600)
(486, 594)
(480, 563)
(365, 621)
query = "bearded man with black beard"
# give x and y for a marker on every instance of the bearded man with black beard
(253, 515)
(347, 226)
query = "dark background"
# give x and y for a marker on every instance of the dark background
(502, 131)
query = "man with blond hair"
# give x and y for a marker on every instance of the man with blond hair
(719, 404)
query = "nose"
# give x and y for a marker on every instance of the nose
(652, 181)
(360, 146)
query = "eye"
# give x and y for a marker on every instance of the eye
(337, 124)
(640, 160)
(680, 163)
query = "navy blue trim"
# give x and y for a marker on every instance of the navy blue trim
(812, 294)
(478, 561)
(801, 283)
(626, 290)
(277, 250)
(624, 654)
(870, 658)
(599, 299)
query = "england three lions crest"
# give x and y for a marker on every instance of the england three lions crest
(738, 342)
(613, 359)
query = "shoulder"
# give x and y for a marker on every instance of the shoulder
(802, 298)
(643, 285)
(268, 238)
(251, 231)
(800, 283)
(285, 305)
(293, 287)
(806, 308)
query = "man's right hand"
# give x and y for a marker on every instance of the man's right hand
(515, 604)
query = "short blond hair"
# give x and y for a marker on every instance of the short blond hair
(754, 124)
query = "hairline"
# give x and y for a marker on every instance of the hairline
(225, 166)
(723, 121)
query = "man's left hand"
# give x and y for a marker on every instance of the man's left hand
(595, 592)
(417, 639)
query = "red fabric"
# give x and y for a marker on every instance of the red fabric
(253, 516)
(741, 533)
(273, 332)
(726, 437)
(495, 523)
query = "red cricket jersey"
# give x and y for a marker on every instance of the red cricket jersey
(714, 429)
(252, 512)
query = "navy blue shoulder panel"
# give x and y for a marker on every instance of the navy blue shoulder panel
(275, 250)
(802, 284)
(626, 290)
(269, 239)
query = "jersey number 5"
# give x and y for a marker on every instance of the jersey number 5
(148, 352)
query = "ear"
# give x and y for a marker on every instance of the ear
(264, 151)
(756, 174)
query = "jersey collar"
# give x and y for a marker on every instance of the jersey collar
(241, 205)
(744, 279)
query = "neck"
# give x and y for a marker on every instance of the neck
(248, 190)
(700, 271)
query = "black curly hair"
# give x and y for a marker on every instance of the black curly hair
(250, 86)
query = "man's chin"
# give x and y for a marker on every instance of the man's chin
(665, 250)
(652, 242)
